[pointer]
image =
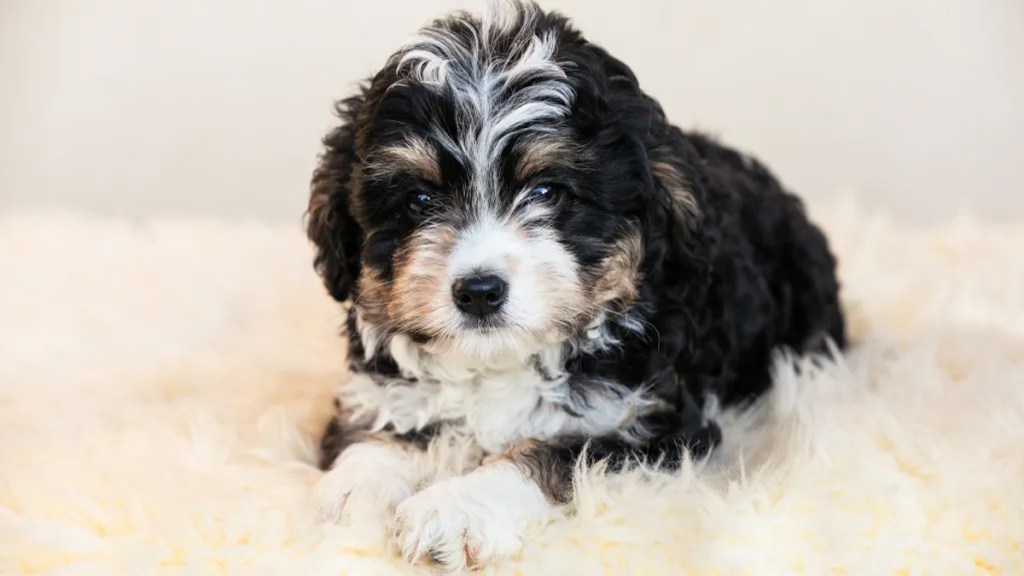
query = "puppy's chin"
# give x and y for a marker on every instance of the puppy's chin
(492, 346)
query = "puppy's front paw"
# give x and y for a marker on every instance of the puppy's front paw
(473, 519)
(366, 482)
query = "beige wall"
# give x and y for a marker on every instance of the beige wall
(144, 107)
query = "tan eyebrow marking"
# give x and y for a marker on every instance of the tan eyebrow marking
(414, 153)
(540, 153)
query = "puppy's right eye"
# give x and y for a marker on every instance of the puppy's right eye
(420, 203)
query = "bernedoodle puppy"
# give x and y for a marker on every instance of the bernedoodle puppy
(539, 268)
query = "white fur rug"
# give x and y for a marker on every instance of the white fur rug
(162, 385)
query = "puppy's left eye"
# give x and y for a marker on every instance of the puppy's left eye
(545, 192)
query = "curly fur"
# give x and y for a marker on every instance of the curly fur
(677, 266)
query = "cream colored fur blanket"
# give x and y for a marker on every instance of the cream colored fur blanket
(162, 386)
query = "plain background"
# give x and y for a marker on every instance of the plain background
(191, 107)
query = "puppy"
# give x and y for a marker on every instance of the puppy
(539, 268)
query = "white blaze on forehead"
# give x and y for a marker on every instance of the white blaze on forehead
(461, 58)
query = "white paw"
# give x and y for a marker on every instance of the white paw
(473, 519)
(365, 484)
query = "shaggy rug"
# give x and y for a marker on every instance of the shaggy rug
(162, 384)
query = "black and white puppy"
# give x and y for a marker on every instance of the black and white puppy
(538, 266)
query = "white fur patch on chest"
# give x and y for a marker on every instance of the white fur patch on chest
(496, 404)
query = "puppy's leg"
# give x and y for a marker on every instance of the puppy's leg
(472, 519)
(551, 464)
(370, 474)
(484, 515)
(806, 285)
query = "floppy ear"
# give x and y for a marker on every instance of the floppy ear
(329, 223)
(678, 242)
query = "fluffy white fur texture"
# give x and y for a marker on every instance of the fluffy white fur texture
(162, 386)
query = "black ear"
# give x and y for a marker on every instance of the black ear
(329, 223)
(678, 243)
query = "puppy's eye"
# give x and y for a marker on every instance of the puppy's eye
(545, 192)
(420, 203)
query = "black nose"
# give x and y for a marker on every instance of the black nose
(479, 295)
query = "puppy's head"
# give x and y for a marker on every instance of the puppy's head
(489, 190)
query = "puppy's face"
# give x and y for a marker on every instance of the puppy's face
(479, 199)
